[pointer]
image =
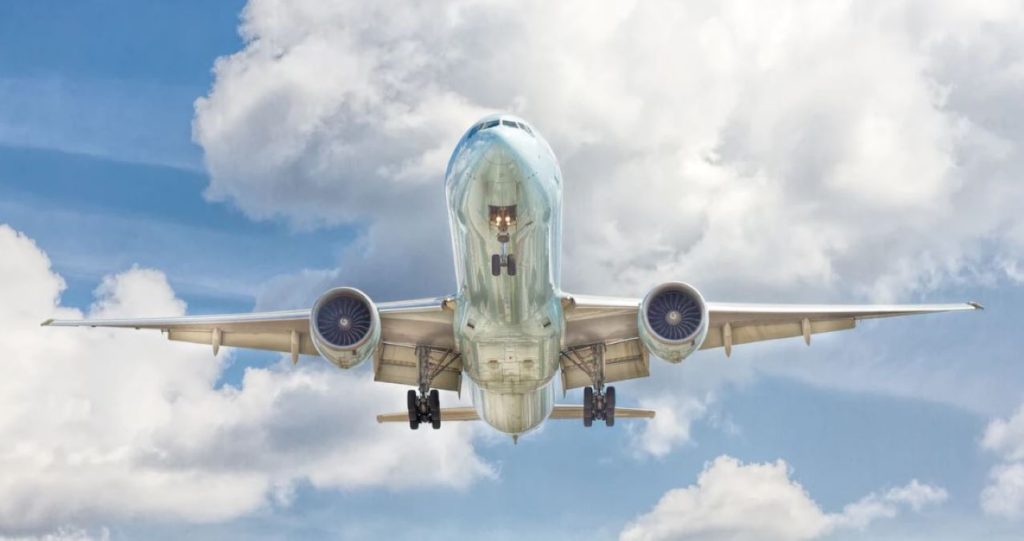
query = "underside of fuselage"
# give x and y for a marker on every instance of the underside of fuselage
(504, 198)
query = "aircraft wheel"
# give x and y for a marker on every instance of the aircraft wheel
(609, 406)
(435, 409)
(495, 265)
(588, 406)
(414, 413)
(511, 265)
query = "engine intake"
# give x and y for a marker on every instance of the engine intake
(345, 326)
(673, 321)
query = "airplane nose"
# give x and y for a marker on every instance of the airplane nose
(499, 161)
(499, 151)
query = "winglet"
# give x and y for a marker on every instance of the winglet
(46, 323)
(976, 305)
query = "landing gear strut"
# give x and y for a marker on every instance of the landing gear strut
(425, 405)
(598, 401)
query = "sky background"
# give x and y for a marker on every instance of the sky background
(164, 157)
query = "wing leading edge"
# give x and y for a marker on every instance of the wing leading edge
(591, 320)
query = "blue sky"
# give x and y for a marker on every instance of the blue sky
(307, 183)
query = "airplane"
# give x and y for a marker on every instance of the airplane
(509, 327)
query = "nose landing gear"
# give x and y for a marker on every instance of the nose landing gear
(498, 261)
(503, 218)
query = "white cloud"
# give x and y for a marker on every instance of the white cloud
(684, 128)
(735, 501)
(1006, 436)
(671, 425)
(872, 507)
(1004, 495)
(122, 424)
(63, 534)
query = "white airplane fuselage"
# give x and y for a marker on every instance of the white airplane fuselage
(504, 192)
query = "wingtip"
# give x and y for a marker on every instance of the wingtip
(46, 323)
(976, 305)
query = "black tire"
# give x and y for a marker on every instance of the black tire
(588, 406)
(511, 265)
(495, 265)
(609, 406)
(435, 408)
(414, 415)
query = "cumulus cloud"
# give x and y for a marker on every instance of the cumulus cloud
(735, 501)
(1006, 436)
(718, 142)
(671, 426)
(103, 423)
(64, 534)
(1004, 495)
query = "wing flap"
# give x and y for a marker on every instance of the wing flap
(397, 363)
(270, 341)
(754, 332)
(626, 359)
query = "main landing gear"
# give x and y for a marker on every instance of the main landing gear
(598, 405)
(425, 405)
(598, 401)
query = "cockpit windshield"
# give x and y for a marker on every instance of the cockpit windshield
(503, 122)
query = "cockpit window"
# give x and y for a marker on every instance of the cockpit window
(492, 123)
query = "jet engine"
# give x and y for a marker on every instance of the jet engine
(673, 321)
(345, 326)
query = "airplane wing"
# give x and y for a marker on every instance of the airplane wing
(404, 325)
(613, 322)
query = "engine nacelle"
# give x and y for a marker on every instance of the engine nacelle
(673, 321)
(345, 326)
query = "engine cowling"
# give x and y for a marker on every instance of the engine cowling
(345, 326)
(673, 321)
